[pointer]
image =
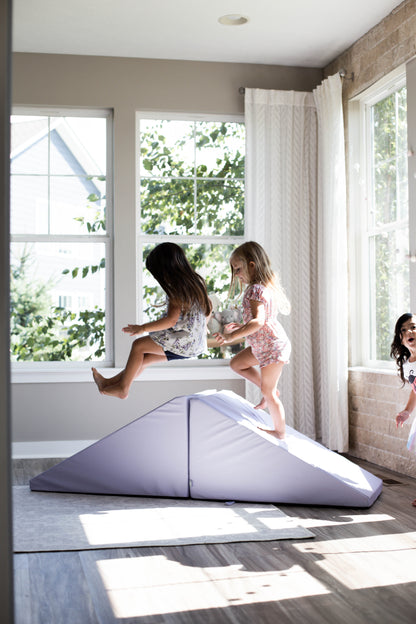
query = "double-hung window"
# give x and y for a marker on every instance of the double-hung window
(379, 218)
(60, 236)
(190, 191)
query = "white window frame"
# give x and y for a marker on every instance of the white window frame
(24, 372)
(145, 239)
(358, 234)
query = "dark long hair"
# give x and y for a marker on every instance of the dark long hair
(183, 286)
(398, 351)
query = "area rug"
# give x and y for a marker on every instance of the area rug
(47, 521)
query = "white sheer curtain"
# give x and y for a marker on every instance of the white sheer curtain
(299, 218)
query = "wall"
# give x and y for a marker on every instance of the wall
(376, 397)
(74, 410)
(6, 547)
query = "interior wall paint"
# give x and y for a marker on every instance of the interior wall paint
(76, 411)
(148, 84)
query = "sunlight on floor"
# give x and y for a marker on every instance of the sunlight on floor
(155, 585)
(370, 561)
(203, 521)
(310, 523)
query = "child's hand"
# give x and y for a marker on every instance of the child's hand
(220, 338)
(133, 330)
(401, 418)
(231, 327)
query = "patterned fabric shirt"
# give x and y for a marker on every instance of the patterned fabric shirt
(188, 337)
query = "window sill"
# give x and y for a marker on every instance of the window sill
(373, 369)
(168, 372)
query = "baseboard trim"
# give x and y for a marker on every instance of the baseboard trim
(48, 448)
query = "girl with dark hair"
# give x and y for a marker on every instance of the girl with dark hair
(180, 334)
(269, 347)
(403, 350)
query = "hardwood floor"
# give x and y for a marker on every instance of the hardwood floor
(360, 568)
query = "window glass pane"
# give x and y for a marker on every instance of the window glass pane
(402, 120)
(220, 149)
(29, 204)
(166, 148)
(202, 166)
(167, 206)
(57, 301)
(29, 144)
(78, 146)
(192, 184)
(212, 263)
(402, 191)
(385, 192)
(390, 287)
(58, 188)
(388, 216)
(389, 158)
(220, 207)
(77, 206)
(384, 129)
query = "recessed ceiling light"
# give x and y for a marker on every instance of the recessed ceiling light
(233, 20)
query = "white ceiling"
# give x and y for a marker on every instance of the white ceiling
(306, 33)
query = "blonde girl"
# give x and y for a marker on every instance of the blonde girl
(180, 334)
(269, 347)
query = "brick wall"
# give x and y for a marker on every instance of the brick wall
(376, 397)
(386, 46)
(374, 400)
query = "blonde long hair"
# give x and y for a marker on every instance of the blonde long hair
(252, 252)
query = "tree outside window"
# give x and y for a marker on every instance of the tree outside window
(191, 191)
(59, 237)
(388, 213)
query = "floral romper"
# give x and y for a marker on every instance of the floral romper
(270, 343)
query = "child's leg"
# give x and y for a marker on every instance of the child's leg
(270, 375)
(244, 363)
(144, 351)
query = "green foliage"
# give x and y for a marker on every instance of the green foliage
(193, 184)
(43, 332)
(389, 207)
(179, 195)
(55, 337)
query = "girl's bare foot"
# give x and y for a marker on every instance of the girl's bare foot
(272, 432)
(115, 391)
(99, 380)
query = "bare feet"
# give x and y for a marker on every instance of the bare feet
(99, 379)
(109, 387)
(272, 432)
(115, 391)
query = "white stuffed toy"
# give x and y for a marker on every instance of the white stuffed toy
(220, 318)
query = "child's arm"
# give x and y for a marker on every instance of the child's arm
(166, 322)
(410, 406)
(242, 331)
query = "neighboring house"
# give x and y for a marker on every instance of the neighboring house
(51, 183)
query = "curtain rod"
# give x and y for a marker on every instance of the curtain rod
(342, 72)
